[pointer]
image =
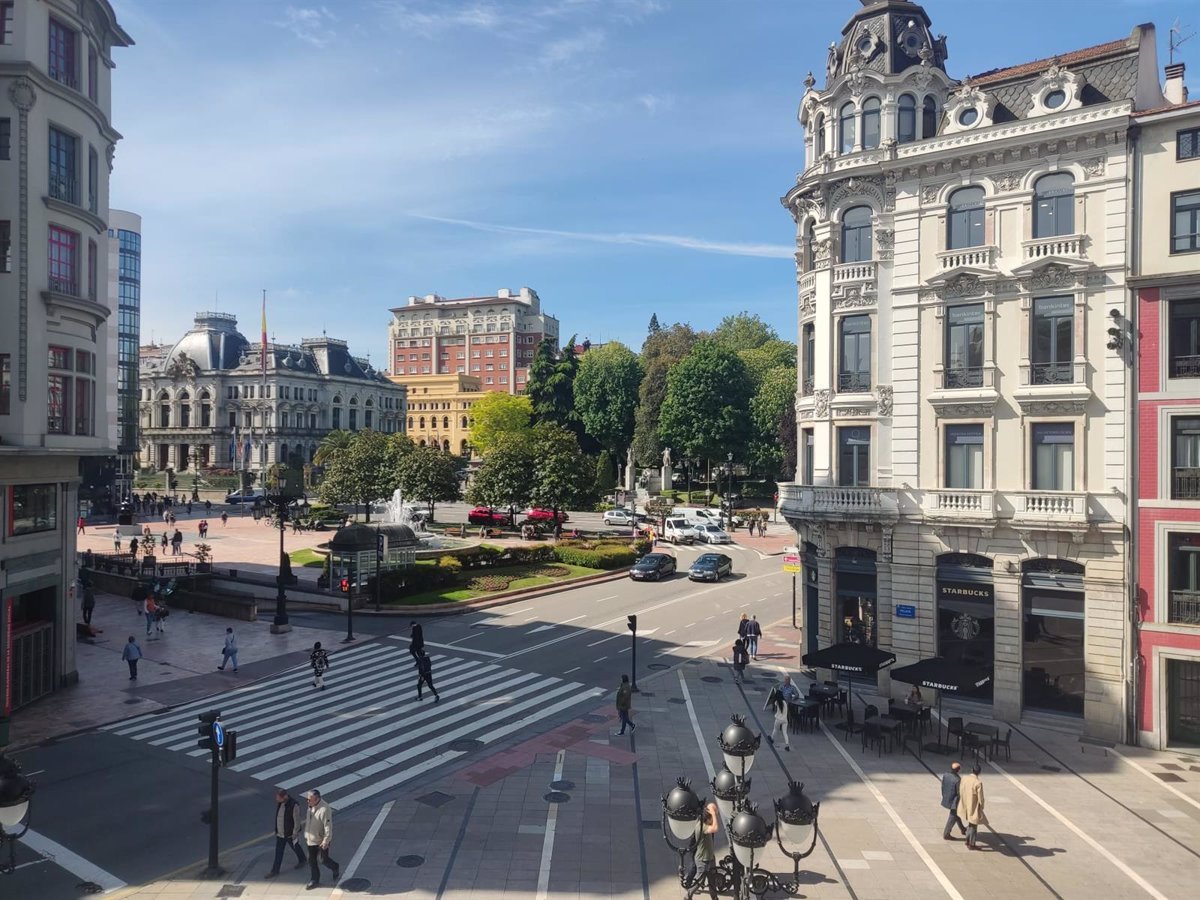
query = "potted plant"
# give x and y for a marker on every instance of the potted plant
(203, 556)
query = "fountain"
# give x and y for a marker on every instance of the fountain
(397, 512)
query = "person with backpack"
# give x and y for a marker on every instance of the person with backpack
(289, 831)
(319, 660)
(230, 651)
(416, 645)
(425, 675)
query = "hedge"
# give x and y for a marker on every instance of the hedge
(603, 556)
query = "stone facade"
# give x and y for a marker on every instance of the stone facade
(439, 410)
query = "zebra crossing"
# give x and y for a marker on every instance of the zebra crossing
(366, 733)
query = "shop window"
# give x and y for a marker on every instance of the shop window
(855, 579)
(1183, 702)
(1052, 642)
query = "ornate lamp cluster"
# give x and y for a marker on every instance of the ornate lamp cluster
(794, 828)
(15, 793)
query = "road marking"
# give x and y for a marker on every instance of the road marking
(687, 697)
(569, 671)
(613, 597)
(367, 840)
(569, 621)
(467, 650)
(1178, 793)
(601, 659)
(548, 841)
(540, 628)
(626, 650)
(671, 632)
(467, 638)
(72, 862)
(602, 640)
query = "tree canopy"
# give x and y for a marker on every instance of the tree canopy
(661, 350)
(706, 411)
(331, 445)
(771, 355)
(743, 331)
(430, 475)
(505, 479)
(362, 471)
(564, 477)
(551, 385)
(606, 395)
(773, 401)
(497, 414)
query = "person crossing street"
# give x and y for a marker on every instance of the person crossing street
(425, 675)
(319, 660)
(318, 835)
(289, 831)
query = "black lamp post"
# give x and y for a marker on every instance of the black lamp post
(681, 814)
(288, 487)
(729, 492)
(796, 826)
(16, 792)
(738, 745)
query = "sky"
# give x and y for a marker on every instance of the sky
(620, 157)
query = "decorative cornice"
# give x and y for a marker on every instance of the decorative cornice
(98, 224)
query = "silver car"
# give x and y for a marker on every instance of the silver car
(713, 534)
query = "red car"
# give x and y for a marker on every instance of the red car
(481, 515)
(544, 515)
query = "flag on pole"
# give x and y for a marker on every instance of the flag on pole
(264, 333)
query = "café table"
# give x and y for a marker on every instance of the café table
(891, 726)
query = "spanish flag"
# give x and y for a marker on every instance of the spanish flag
(264, 333)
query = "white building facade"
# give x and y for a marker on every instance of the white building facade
(963, 410)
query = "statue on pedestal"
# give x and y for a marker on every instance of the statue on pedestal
(667, 474)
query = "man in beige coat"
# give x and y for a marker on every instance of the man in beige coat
(318, 834)
(970, 805)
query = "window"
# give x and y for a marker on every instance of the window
(91, 271)
(353, 419)
(5, 137)
(856, 235)
(1054, 205)
(1183, 573)
(5, 383)
(964, 457)
(906, 119)
(5, 245)
(808, 448)
(6, 22)
(1187, 144)
(1185, 222)
(233, 420)
(819, 128)
(1185, 458)
(34, 508)
(964, 346)
(63, 184)
(93, 74)
(809, 351)
(337, 418)
(929, 118)
(62, 54)
(1053, 456)
(968, 116)
(808, 257)
(1184, 339)
(870, 123)
(93, 179)
(965, 224)
(854, 368)
(1053, 340)
(854, 457)
(846, 128)
(58, 397)
(367, 418)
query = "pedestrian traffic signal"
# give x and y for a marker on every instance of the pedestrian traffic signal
(205, 728)
(633, 623)
(345, 585)
(229, 748)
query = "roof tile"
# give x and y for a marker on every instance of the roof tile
(1063, 59)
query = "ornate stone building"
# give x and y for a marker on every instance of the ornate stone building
(963, 408)
(209, 401)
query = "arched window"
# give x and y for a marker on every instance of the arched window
(464, 423)
(410, 421)
(856, 234)
(929, 118)
(819, 128)
(283, 450)
(421, 422)
(846, 128)
(463, 447)
(421, 443)
(906, 119)
(1054, 205)
(809, 240)
(870, 123)
(185, 410)
(445, 421)
(964, 226)
(446, 445)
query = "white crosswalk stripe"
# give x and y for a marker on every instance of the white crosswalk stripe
(367, 733)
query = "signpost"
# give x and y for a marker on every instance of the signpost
(791, 563)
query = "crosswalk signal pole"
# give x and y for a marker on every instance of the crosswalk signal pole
(633, 660)
(212, 738)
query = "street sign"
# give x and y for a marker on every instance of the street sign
(904, 611)
(791, 563)
(218, 734)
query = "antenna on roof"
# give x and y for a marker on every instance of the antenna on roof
(1176, 38)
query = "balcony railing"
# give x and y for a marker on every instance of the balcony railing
(844, 273)
(959, 503)
(64, 285)
(1185, 366)
(831, 501)
(64, 188)
(969, 257)
(1067, 507)
(854, 382)
(1184, 608)
(962, 377)
(1069, 245)
(1051, 373)
(1185, 483)
(63, 75)
(808, 282)
(806, 386)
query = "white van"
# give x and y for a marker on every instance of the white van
(705, 514)
(679, 530)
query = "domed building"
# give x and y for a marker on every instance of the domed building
(963, 405)
(210, 401)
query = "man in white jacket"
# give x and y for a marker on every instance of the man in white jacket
(318, 834)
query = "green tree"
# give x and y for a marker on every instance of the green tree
(743, 331)
(361, 472)
(606, 395)
(429, 475)
(563, 475)
(661, 350)
(399, 445)
(551, 385)
(771, 355)
(705, 413)
(606, 473)
(505, 479)
(654, 328)
(496, 414)
(331, 445)
(774, 399)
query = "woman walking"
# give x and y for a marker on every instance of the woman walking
(778, 705)
(230, 651)
(131, 654)
(740, 660)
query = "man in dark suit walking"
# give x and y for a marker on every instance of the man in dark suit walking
(950, 782)
(417, 645)
(425, 675)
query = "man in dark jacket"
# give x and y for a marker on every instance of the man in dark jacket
(950, 801)
(289, 831)
(625, 704)
(425, 675)
(417, 645)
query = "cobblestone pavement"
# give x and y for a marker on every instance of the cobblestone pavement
(574, 812)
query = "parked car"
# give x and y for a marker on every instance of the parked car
(653, 567)
(544, 515)
(710, 567)
(705, 514)
(619, 517)
(482, 515)
(253, 496)
(679, 531)
(707, 533)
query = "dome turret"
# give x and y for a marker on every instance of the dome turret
(886, 37)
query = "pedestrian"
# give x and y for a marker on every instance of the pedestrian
(416, 645)
(224, 519)
(208, 506)
(81, 526)
(625, 704)
(318, 834)
(753, 633)
(131, 654)
(229, 651)
(289, 831)
(740, 660)
(779, 707)
(762, 526)
(165, 541)
(950, 796)
(189, 507)
(177, 542)
(89, 603)
(149, 610)
(166, 517)
(703, 864)
(116, 542)
(744, 627)
(319, 660)
(970, 805)
(133, 546)
(425, 675)
(791, 693)
(146, 533)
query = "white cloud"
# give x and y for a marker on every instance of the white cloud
(652, 103)
(428, 18)
(313, 25)
(683, 242)
(573, 50)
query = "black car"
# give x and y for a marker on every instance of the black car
(710, 567)
(652, 567)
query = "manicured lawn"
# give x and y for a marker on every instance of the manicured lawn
(309, 559)
(518, 577)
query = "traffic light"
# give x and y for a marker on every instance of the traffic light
(345, 585)
(633, 623)
(229, 749)
(205, 728)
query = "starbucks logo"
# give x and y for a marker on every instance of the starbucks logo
(965, 627)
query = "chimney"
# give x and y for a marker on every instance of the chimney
(1175, 90)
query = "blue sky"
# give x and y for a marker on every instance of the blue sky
(621, 157)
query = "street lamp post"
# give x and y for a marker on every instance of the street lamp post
(288, 487)
(729, 492)
(741, 871)
(16, 792)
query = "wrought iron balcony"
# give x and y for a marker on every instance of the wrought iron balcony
(1184, 608)
(64, 285)
(854, 382)
(1051, 373)
(64, 188)
(1185, 366)
(962, 377)
(63, 75)
(1185, 483)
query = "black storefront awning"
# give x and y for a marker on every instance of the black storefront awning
(854, 659)
(941, 674)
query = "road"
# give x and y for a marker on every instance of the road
(502, 674)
